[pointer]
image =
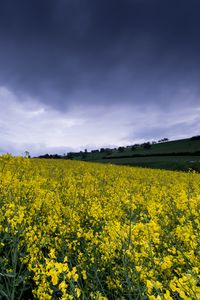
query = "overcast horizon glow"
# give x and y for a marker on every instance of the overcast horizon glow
(88, 74)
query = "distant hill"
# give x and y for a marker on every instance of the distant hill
(183, 154)
(183, 146)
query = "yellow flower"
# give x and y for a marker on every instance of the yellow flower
(76, 226)
(167, 296)
(84, 274)
(78, 292)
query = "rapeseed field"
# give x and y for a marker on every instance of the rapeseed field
(75, 230)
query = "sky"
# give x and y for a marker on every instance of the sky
(86, 74)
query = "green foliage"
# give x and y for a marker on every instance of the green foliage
(121, 149)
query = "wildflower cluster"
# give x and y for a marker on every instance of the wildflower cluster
(75, 230)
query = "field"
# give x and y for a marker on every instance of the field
(172, 155)
(77, 230)
(181, 163)
(177, 146)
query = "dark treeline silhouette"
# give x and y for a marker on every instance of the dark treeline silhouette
(195, 138)
(120, 152)
(104, 151)
(52, 156)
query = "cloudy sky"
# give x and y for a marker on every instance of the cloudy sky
(78, 74)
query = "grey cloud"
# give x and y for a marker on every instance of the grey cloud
(32, 126)
(173, 124)
(84, 74)
(66, 52)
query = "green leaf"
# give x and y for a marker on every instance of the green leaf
(2, 292)
(11, 275)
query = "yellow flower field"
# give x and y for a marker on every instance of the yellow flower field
(75, 230)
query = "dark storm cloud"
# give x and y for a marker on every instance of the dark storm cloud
(100, 51)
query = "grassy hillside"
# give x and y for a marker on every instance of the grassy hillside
(178, 146)
(181, 154)
(181, 163)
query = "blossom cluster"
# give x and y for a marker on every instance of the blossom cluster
(76, 230)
